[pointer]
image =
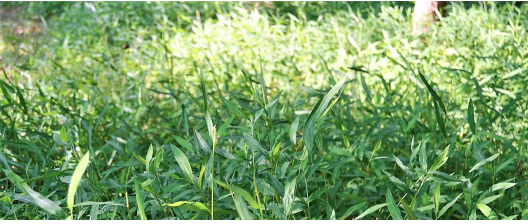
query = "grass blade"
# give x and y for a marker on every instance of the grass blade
(64, 135)
(439, 119)
(139, 200)
(185, 144)
(502, 186)
(491, 158)
(440, 160)
(393, 208)
(471, 117)
(240, 192)
(36, 198)
(293, 130)
(242, 208)
(75, 181)
(289, 196)
(315, 115)
(371, 210)
(436, 197)
(433, 93)
(408, 211)
(254, 145)
(446, 207)
(182, 160)
(192, 206)
(150, 153)
(353, 209)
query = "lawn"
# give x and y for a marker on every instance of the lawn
(233, 110)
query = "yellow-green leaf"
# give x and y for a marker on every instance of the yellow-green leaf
(76, 179)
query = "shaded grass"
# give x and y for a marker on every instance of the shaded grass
(438, 119)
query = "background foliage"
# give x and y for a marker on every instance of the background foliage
(299, 110)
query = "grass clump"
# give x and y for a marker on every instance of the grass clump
(318, 110)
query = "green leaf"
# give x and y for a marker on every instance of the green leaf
(200, 176)
(182, 160)
(210, 127)
(315, 115)
(150, 153)
(240, 192)
(504, 164)
(440, 160)
(471, 117)
(353, 209)
(484, 209)
(439, 119)
(76, 179)
(408, 211)
(393, 208)
(158, 158)
(232, 107)
(489, 159)
(293, 130)
(289, 196)
(502, 186)
(202, 142)
(254, 145)
(401, 165)
(185, 144)
(371, 210)
(139, 200)
(242, 208)
(400, 184)
(223, 127)
(4, 160)
(56, 138)
(489, 199)
(36, 198)
(446, 207)
(192, 206)
(436, 197)
(176, 204)
(512, 217)
(143, 161)
(64, 135)
(433, 93)
(275, 153)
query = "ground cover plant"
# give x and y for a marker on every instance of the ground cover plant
(232, 110)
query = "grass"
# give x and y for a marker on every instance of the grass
(317, 110)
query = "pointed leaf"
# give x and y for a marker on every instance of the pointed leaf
(76, 179)
(436, 197)
(139, 200)
(185, 144)
(471, 117)
(241, 193)
(489, 159)
(433, 93)
(371, 210)
(64, 135)
(36, 198)
(502, 186)
(446, 207)
(440, 160)
(393, 208)
(320, 107)
(242, 208)
(182, 160)
(353, 209)
(293, 130)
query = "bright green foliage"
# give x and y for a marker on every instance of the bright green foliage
(227, 110)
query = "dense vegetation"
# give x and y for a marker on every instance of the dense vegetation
(319, 110)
